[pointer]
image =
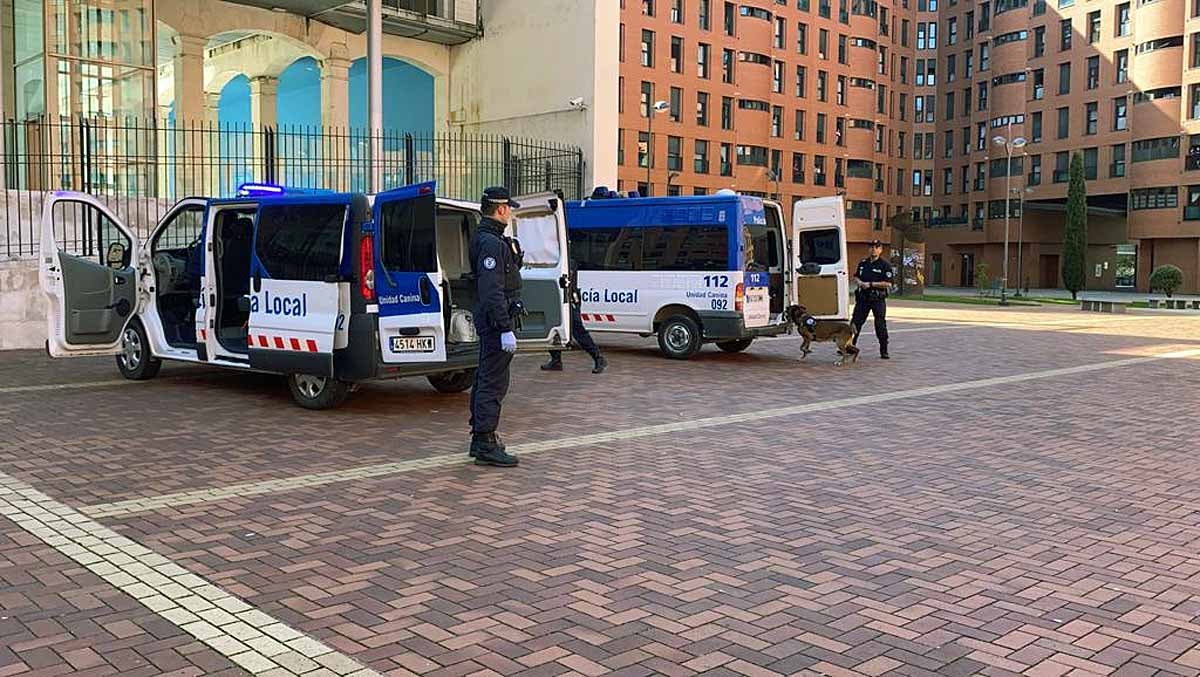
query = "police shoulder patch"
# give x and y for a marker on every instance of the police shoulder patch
(489, 263)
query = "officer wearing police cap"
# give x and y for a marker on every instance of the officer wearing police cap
(496, 265)
(874, 279)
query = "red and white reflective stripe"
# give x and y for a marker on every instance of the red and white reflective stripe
(282, 343)
(596, 317)
(203, 334)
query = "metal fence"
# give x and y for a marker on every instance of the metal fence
(139, 169)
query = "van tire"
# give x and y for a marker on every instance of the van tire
(679, 337)
(736, 345)
(317, 392)
(135, 361)
(451, 382)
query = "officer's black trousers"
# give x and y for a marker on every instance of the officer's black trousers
(491, 385)
(877, 306)
(579, 336)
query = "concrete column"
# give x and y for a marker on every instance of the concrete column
(189, 79)
(335, 88)
(264, 91)
(212, 106)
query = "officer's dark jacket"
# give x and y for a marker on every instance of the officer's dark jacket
(877, 271)
(496, 263)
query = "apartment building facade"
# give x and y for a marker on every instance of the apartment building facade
(904, 108)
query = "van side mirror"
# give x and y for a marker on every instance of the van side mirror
(809, 268)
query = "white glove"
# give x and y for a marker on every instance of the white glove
(508, 342)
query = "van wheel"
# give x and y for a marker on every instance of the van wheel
(735, 346)
(317, 392)
(452, 381)
(679, 337)
(135, 361)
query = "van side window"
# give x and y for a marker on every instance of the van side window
(83, 231)
(762, 247)
(687, 248)
(611, 249)
(409, 231)
(300, 242)
(821, 246)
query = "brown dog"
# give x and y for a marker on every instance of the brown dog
(812, 329)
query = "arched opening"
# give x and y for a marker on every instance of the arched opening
(298, 101)
(408, 97)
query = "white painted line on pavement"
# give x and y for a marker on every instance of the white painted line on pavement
(110, 383)
(251, 639)
(249, 489)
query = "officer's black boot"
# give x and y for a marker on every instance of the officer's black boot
(555, 363)
(883, 352)
(600, 365)
(479, 443)
(493, 454)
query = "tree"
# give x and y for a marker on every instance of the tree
(1166, 279)
(1075, 235)
(981, 278)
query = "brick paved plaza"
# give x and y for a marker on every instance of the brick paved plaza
(1017, 492)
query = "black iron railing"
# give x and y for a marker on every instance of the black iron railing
(140, 168)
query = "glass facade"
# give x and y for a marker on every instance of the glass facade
(91, 58)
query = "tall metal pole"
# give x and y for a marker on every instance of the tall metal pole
(649, 145)
(1007, 209)
(1020, 228)
(375, 93)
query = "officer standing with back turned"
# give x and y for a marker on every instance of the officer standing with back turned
(874, 279)
(496, 264)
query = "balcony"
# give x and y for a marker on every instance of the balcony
(1062, 176)
(1191, 213)
(445, 22)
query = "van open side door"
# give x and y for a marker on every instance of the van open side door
(88, 270)
(822, 281)
(540, 225)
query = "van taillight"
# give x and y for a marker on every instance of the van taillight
(366, 267)
(739, 296)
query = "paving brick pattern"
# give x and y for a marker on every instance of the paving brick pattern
(1044, 528)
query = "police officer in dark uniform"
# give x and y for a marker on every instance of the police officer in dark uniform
(496, 264)
(579, 336)
(874, 279)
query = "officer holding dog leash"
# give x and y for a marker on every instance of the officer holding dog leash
(496, 265)
(874, 279)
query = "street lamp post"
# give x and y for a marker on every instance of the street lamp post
(1020, 237)
(658, 107)
(1009, 144)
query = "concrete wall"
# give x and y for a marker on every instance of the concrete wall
(22, 306)
(534, 57)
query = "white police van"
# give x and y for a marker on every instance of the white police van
(705, 269)
(329, 289)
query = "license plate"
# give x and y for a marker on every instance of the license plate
(412, 344)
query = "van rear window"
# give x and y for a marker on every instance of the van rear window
(300, 242)
(409, 232)
(823, 247)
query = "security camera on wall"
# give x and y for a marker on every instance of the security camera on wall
(577, 103)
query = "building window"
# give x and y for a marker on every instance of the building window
(621, 44)
(777, 121)
(1062, 167)
(647, 97)
(726, 159)
(621, 147)
(951, 68)
(842, 49)
(822, 86)
(1121, 60)
(780, 32)
(969, 64)
(674, 154)
(818, 170)
(676, 102)
(1035, 170)
(1091, 163)
(643, 149)
(1064, 122)
(799, 162)
(801, 82)
(800, 124)
(702, 109)
(730, 19)
(1120, 113)
(1154, 198)
(1196, 49)
(648, 7)
(705, 20)
(1039, 84)
(1123, 20)
(983, 96)
(676, 55)
(648, 49)
(1092, 118)
(821, 127)
(702, 61)
(1093, 27)
(1191, 210)
(1065, 32)
(676, 11)
(985, 57)
(1160, 43)
(1035, 127)
(1194, 102)
(823, 44)
(1162, 148)
(1039, 41)
(1093, 72)
(802, 38)
(726, 113)
(949, 107)
(777, 77)
(841, 90)
(952, 31)
(1064, 78)
(1117, 168)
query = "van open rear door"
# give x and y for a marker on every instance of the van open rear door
(408, 277)
(88, 270)
(299, 288)
(819, 257)
(540, 225)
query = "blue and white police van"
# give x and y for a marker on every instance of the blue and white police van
(705, 269)
(328, 289)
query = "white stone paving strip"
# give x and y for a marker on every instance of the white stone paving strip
(249, 489)
(249, 638)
